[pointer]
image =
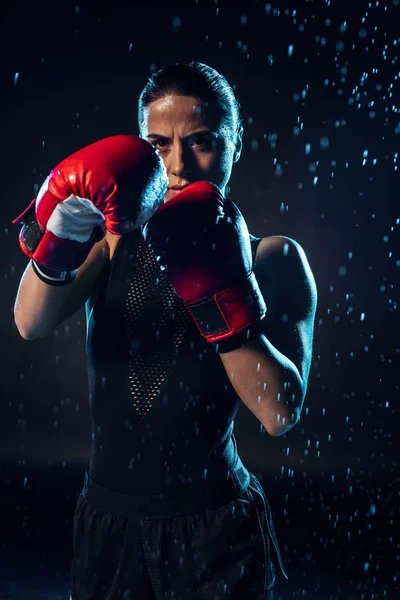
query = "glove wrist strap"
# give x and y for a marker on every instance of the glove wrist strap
(230, 311)
(240, 339)
(53, 277)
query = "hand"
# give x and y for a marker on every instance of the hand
(202, 242)
(116, 183)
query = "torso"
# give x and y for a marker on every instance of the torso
(155, 384)
(268, 244)
(273, 242)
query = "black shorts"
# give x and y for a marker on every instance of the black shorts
(216, 544)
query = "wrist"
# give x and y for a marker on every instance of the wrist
(53, 277)
(238, 340)
(230, 311)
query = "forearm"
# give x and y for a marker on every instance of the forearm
(40, 307)
(37, 304)
(267, 382)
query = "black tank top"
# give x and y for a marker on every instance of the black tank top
(161, 403)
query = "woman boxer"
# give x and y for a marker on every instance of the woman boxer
(187, 314)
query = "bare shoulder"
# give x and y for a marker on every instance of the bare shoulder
(276, 245)
(284, 259)
(276, 253)
(112, 241)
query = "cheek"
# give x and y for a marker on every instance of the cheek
(225, 161)
(221, 161)
(220, 168)
(207, 163)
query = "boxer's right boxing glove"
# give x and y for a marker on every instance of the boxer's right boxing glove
(116, 183)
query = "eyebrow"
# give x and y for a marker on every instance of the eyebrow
(202, 132)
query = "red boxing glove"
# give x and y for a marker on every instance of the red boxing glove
(116, 183)
(202, 242)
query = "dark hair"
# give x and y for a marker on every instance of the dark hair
(200, 81)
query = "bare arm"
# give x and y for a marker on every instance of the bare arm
(270, 374)
(40, 307)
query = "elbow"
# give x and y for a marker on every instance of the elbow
(19, 324)
(280, 430)
(284, 424)
(287, 415)
(25, 333)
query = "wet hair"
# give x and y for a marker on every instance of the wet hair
(199, 81)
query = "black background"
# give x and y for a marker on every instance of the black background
(332, 481)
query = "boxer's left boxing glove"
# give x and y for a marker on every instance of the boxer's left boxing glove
(202, 241)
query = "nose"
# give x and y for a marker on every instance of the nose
(178, 161)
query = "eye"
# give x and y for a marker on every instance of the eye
(201, 142)
(161, 143)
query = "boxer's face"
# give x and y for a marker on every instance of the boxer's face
(191, 139)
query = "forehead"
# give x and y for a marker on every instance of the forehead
(180, 111)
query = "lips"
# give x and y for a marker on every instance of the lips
(178, 187)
